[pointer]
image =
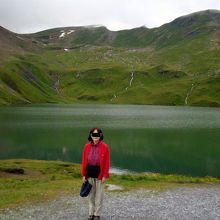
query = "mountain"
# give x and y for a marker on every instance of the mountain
(175, 64)
(182, 28)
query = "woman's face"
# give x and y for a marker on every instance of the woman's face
(95, 135)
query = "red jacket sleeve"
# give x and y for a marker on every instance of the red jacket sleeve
(83, 171)
(107, 163)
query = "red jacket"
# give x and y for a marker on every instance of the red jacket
(104, 157)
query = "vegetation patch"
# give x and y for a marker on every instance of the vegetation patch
(88, 97)
(32, 181)
(13, 170)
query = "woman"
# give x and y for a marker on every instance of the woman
(95, 169)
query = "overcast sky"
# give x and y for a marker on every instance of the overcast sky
(26, 16)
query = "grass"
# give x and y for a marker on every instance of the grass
(165, 62)
(41, 180)
(25, 181)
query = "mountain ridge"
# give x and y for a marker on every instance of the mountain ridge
(138, 37)
(93, 64)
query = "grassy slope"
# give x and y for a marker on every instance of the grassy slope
(102, 68)
(85, 76)
(96, 74)
(30, 181)
(99, 73)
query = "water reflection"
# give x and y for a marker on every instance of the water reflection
(142, 138)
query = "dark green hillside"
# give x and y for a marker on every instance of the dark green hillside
(25, 82)
(190, 27)
(175, 64)
(136, 38)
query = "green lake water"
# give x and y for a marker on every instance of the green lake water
(165, 139)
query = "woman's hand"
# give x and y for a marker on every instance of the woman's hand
(103, 179)
(84, 179)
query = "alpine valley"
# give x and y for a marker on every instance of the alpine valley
(177, 63)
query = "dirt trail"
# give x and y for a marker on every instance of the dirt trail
(179, 203)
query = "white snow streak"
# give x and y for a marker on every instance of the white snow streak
(63, 33)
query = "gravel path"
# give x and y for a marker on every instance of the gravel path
(179, 203)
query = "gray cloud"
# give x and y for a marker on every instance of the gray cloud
(25, 16)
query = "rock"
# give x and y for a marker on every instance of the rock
(111, 187)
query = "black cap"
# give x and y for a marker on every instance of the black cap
(85, 189)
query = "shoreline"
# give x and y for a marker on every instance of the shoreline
(25, 181)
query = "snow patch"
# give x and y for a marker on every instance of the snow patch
(63, 33)
(70, 31)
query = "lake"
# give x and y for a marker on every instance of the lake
(165, 139)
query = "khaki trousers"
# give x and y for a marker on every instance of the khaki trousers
(96, 196)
